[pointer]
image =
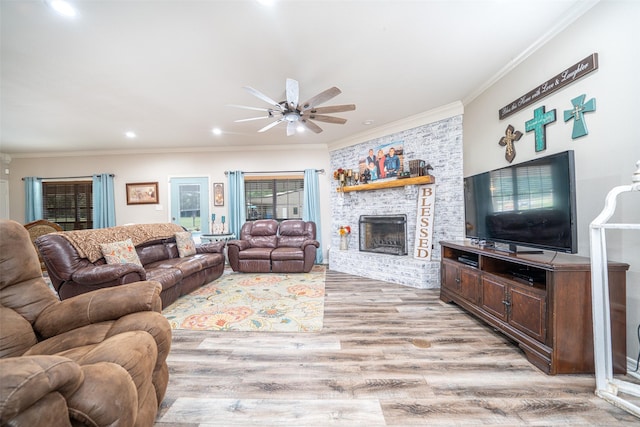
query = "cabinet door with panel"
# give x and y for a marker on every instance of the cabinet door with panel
(450, 274)
(469, 284)
(528, 311)
(494, 297)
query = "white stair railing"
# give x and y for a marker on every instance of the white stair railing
(608, 387)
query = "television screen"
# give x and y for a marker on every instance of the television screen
(528, 204)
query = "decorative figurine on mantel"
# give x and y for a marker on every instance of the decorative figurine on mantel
(366, 176)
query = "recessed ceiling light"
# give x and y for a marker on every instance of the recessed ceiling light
(130, 134)
(368, 122)
(266, 2)
(216, 131)
(300, 128)
(62, 7)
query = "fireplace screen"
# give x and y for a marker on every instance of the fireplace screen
(383, 234)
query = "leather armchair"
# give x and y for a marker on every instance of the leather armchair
(297, 245)
(252, 252)
(97, 359)
(266, 246)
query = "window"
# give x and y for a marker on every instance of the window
(68, 203)
(523, 188)
(274, 197)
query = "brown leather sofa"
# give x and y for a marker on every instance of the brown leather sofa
(268, 246)
(98, 359)
(75, 270)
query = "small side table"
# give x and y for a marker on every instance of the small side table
(217, 237)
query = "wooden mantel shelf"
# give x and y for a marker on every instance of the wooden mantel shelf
(379, 185)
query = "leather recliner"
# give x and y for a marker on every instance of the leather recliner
(266, 246)
(97, 359)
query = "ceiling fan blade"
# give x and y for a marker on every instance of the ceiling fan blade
(250, 108)
(262, 96)
(252, 118)
(292, 93)
(291, 128)
(333, 109)
(270, 125)
(311, 126)
(321, 97)
(328, 119)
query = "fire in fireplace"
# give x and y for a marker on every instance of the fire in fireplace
(384, 234)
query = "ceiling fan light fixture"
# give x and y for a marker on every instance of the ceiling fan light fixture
(292, 116)
(290, 112)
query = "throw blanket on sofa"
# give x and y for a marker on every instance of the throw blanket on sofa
(87, 242)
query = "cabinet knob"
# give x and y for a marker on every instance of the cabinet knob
(506, 302)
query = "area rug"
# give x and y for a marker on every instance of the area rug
(253, 302)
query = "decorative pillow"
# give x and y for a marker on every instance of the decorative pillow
(186, 245)
(120, 253)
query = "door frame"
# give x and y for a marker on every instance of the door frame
(205, 223)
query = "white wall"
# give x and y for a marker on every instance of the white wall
(146, 167)
(606, 157)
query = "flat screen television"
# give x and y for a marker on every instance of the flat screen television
(530, 204)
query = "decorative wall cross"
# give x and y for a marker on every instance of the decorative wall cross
(538, 125)
(577, 114)
(508, 140)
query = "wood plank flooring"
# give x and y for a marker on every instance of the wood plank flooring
(388, 355)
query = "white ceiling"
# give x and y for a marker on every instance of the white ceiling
(167, 70)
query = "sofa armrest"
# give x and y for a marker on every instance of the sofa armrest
(94, 274)
(25, 380)
(211, 247)
(310, 242)
(241, 244)
(99, 306)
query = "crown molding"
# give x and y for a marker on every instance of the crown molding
(182, 150)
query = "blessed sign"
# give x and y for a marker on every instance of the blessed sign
(570, 75)
(424, 224)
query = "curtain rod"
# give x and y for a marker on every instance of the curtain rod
(68, 177)
(317, 170)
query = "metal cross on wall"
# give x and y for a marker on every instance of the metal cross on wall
(508, 140)
(577, 113)
(538, 125)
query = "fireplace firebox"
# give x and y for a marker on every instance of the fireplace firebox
(383, 234)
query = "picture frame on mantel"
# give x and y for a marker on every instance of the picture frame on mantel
(142, 193)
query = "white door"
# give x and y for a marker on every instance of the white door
(190, 203)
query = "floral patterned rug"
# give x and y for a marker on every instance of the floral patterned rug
(253, 302)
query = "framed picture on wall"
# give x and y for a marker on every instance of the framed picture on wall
(218, 194)
(142, 193)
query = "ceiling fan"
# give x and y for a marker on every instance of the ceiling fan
(293, 113)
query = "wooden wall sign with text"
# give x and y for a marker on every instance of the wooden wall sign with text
(570, 75)
(424, 224)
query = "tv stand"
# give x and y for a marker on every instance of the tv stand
(542, 301)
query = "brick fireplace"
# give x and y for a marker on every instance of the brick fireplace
(440, 144)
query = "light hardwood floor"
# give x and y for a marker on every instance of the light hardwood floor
(388, 355)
